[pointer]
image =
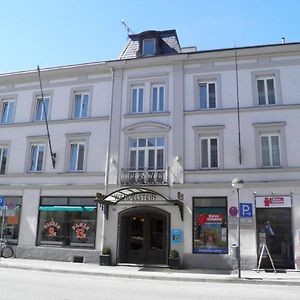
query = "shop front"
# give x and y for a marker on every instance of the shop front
(274, 229)
(11, 210)
(67, 222)
(143, 218)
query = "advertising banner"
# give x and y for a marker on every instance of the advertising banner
(210, 231)
(273, 201)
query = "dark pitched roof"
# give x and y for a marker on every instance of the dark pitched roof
(168, 43)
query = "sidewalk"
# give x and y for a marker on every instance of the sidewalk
(291, 277)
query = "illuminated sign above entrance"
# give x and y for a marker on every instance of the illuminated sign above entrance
(139, 198)
(273, 201)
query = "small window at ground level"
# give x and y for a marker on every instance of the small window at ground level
(210, 225)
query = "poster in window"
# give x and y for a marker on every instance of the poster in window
(52, 230)
(210, 230)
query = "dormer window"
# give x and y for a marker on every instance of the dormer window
(151, 43)
(149, 47)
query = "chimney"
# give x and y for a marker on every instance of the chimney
(283, 40)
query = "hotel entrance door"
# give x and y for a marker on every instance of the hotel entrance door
(143, 237)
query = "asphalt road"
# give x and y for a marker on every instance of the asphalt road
(32, 285)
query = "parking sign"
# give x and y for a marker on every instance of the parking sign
(1, 201)
(246, 210)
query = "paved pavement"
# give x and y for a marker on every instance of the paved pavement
(290, 277)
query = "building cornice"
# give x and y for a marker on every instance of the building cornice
(243, 109)
(242, 171)
(54, 122)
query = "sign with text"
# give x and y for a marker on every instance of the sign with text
(273, 201)
(246, 210)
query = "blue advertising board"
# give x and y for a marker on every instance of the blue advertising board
(177, 236)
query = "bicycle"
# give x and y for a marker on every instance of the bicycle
(6, 250)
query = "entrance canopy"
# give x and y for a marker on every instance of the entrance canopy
(135, 195)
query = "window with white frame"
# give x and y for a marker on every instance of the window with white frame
(81, 104)
(7, 111)
(42, 108)
(270, 144)
(77, 156)
(3, 158)
(270, 150)
(147, 153)
(158, 98)
(207, 95)
(36, 160)
(266, 91)
(137, 99)
(209, 154)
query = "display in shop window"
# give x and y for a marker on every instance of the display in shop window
(210, 230)
(52, 229)
(81, 230)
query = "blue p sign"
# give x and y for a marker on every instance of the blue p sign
(1, 201)
(246, 210)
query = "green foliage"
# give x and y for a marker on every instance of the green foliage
(106, 250)
(174, 254)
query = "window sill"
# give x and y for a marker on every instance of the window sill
(148, 114)
(271, 167)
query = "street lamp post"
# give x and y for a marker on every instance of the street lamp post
(237, 184)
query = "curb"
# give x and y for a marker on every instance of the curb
(245, 280)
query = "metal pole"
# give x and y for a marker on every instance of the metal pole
(2, 225)
(3, 219)
(239, 235)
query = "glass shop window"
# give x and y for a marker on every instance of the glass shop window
(12, 212)
(210, 232)
(67, 222)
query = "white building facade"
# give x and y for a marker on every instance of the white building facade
(159, 136)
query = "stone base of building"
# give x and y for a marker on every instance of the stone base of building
(216, 262)
(207, 261)
(58, 254)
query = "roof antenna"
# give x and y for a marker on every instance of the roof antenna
(53, 155)
(127, 27)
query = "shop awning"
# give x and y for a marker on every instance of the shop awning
(124, 194)
(68, 208)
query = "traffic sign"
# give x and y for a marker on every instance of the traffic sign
(246, 210)
(2, 201)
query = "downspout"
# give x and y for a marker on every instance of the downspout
(107, 156)
(110, 128)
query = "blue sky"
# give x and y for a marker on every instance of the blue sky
(62, 32)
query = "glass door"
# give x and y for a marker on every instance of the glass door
(143, 238)
(136, 247)
(156, 253)
(274, 229)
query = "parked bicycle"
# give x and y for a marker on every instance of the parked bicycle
(6, 250)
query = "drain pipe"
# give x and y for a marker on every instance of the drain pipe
(110, 128)
(107, 156)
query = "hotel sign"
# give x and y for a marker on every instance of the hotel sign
(139, 198)
(273, 201)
